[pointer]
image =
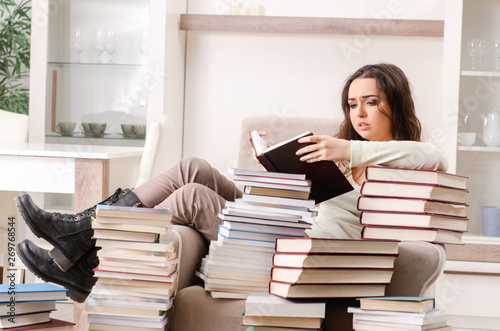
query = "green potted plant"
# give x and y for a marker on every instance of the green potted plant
(15, 32)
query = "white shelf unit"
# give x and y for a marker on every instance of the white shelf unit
(471, 274)
(135, 86)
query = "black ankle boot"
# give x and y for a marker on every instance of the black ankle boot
(71, 235)
(79, 279)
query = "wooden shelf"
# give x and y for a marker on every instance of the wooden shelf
(479, 149)
(478, 73)
(311, 25)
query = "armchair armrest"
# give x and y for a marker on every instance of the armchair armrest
(191, 248)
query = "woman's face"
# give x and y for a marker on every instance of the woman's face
(369, 112)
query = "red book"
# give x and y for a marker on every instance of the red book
(331, 245)
(413, 190)
(317, 291)
(332, 275)
(409, 233)
(411, 205)
(406, 175)
(393, 219)
(319, 261)
(327, 179)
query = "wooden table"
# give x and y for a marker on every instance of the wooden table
(83, 170)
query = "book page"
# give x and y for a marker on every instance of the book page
(259, 144)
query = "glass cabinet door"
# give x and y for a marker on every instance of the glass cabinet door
(96, 70)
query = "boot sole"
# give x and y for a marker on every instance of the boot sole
(56, 253)
(73, 293)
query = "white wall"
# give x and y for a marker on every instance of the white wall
(233, 75)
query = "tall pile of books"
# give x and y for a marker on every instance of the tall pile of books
(269, 312)
(411, 204)
(273, 205)
(398, 314)
(137, 275)
(28, 307)
(331, 268)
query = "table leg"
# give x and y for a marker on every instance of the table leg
(91, 187)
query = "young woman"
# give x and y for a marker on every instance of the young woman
(380, 127)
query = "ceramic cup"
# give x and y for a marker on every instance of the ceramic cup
(466, 138)
(97, 128)
(128, 129)
(139, 129)
(66, 128)
(490, 221)
(86, 127)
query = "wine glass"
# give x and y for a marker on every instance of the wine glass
(496, 50)
(77, 44)
(98, 44)
(483, 50)
(110, 46)
(474, 51)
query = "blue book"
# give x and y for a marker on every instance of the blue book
(31, 292)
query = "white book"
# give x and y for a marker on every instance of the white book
(272, 305)
(232, 282)
(235, 267)
(120, 321)
(122, 302)
(262, 173)
(242, 246)
(243, 242)
(273, 185)
(430, 317)
(162, 246)
(266, 199)
(99, 314)
(228, 295)
(253, 220)
(291, 210)
(274, 180)
(246, 235)
(236, 275)
(270, 229)
(214, 259)
(366, 325)
(236, 211)
(216, 250)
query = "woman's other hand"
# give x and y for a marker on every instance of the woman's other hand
(324, 148)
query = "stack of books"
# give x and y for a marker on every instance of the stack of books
(398, 314)
(137, 276)
(411, 204)
(273, 205)
(331, 268)
(271, 313)
(28, 307)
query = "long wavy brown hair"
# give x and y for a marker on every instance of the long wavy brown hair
(393, 82)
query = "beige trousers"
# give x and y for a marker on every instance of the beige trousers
(193, 191)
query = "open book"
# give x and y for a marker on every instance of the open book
(327, 179)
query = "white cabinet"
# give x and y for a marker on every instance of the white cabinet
(469, 95)
(106, 61)
(470, 285)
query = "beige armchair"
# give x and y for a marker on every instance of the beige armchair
(418, 264)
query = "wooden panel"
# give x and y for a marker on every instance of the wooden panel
(313, 25)
(91, 187)
(473, 252)
(91, 182)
